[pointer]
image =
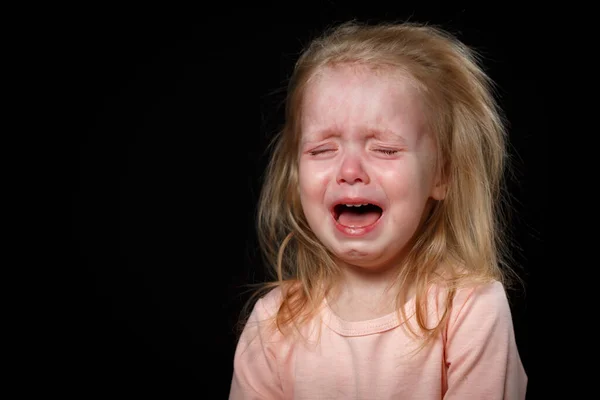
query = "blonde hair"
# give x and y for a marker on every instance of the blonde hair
(463, 235)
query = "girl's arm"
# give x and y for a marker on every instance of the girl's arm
(255, 374)
(482, 358)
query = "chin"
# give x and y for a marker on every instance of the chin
(373, 254)
(360, 257)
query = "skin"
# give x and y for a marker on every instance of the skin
(364, 139)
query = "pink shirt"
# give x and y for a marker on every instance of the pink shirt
(477, 357)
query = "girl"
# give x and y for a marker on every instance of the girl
(380, 215)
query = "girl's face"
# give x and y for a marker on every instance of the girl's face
(367, 164)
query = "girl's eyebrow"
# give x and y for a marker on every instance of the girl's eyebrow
(320, 134)
(385, 134)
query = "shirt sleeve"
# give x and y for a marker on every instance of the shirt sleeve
(482, 358)
(255, 371)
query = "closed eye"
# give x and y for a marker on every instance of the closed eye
(319, 151)
(389, 152)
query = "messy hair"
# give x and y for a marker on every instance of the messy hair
(462, 239)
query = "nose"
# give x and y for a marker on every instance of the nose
(352, 170)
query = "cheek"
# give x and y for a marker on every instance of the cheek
(396, 181)
(405, 181)
(313, 180)
(312, 189)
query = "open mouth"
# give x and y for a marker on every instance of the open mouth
(357, 215)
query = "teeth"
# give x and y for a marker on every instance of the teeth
(356, 205)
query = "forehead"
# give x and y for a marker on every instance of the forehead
(347, 97)
(349, 78)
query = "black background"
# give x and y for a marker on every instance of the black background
(174, 110)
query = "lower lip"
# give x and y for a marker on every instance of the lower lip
(358, 230)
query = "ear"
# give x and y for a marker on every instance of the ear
(440, 186)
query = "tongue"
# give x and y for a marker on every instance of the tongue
(354, 219)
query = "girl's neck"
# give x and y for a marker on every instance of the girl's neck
(363, 295)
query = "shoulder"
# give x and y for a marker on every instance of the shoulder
(259, 327)
(480, 307)
(489, 296)
(469, 302)
(265, 327)
(268, 304)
